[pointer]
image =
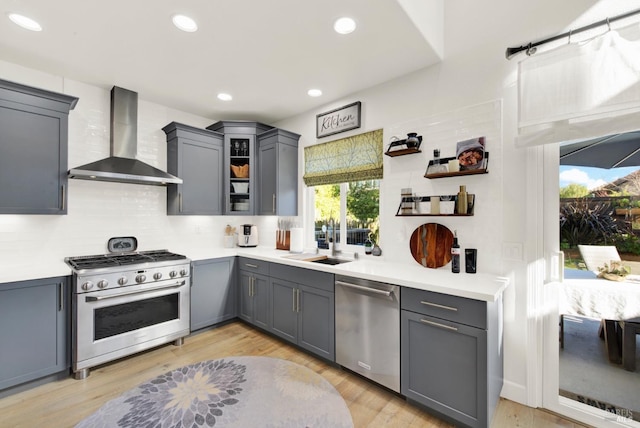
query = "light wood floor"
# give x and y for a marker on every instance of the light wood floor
(64, 403)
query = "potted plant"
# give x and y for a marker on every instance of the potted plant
(614, 271)
(634, 208)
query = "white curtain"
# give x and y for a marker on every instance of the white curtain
(581, 90)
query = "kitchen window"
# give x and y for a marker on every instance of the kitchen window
(356, 205)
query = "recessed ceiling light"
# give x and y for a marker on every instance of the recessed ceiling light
(184, 23)
(344, 25)
(314, 92)
(25, 22)
(224, 97)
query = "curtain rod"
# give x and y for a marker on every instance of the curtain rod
(530, 48)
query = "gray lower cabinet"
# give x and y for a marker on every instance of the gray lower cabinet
(278, 172)
(254, 292)
(34, 329)
(197, 157)
(213, 292)
(451, 355)
(33, 149)
(302, 308)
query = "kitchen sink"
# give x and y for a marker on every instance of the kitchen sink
(331, 261)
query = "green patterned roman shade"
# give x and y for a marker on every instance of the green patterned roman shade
(349, 159)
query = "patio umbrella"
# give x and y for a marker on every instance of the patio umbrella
(612, 151)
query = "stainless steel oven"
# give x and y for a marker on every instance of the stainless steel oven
(124, 309)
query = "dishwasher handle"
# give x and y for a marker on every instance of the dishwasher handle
(366, 289)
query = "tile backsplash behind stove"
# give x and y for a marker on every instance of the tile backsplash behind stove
(98, 211)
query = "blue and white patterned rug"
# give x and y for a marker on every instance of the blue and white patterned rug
(230, 392)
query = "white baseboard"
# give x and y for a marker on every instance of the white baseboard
(514, 392)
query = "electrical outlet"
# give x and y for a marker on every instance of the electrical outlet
(512, 251)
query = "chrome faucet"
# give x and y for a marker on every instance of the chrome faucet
(334, 235)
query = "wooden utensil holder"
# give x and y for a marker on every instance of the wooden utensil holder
(283, 239)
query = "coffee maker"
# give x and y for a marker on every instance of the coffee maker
(248, 235)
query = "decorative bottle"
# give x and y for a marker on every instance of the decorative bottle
(455, 254)
(462, 203)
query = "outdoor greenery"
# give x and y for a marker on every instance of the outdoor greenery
(363, 202)
(584, 223)
(574, 190)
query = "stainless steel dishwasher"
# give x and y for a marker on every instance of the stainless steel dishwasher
(368, 329)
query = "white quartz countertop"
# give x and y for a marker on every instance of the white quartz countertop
(479, 286)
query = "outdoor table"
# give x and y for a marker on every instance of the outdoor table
(583, 294)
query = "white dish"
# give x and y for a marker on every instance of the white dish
(241, 187)
(241, 206)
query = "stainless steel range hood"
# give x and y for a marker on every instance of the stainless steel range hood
(122, 166)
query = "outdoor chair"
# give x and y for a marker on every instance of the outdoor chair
(629, 330)
(595, 256)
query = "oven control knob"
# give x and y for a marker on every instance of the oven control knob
(183, 272)
(173, 274)
(141, 278)
(103, 283)
(87, 285)
(123, 280)
(157, 276)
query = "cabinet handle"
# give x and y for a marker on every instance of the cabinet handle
(436, 324)
(449, 308)
(60, 297)
(179, 202)
(252, 290)
(298, 300)
(251, 266)
(63, 196)
(293, 300)
(273, 204)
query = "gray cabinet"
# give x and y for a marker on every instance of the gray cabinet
(240, 167)
(33, 149)
(302, 308)
(213, 292)
(34, 330)
(278, 173)
(196, 156)
(451, 355)
(254, 292)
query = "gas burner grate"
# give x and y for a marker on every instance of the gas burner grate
(122, 259)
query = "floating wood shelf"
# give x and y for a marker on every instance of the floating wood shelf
(407, 150)
(445, 161)
(404, 212)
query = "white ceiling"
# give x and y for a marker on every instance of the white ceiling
(266, 53)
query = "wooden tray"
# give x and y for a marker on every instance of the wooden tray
(430, 245)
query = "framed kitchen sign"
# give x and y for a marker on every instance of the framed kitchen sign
(338, 120)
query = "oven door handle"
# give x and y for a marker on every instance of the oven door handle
(146, 290)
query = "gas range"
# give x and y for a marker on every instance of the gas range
(126, 302)
(105, 271)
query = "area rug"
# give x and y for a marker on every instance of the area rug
(230, 392)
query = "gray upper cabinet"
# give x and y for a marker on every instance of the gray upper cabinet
(278, 173)
(34, 330)
(261, 169)
(33, 149)
(451, 355)
(197, 157)
(213, 292)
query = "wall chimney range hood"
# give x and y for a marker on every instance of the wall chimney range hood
(122, 166)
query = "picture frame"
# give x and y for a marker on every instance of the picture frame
(339, 120)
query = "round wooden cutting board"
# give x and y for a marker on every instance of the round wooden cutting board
(430, 245)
